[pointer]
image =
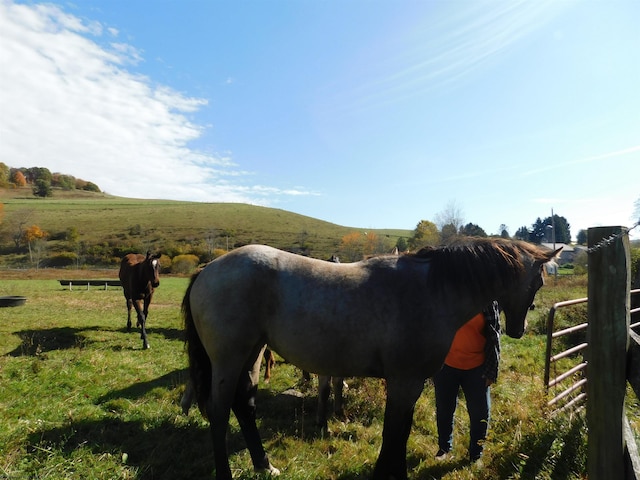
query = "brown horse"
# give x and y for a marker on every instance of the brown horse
(139, 275)
(391, 317)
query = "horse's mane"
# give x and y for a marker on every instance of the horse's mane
(477, 264)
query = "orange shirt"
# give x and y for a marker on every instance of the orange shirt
(467, 349)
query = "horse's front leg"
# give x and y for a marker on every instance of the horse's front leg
(142, 320)
(402, 395)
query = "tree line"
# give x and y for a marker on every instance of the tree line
(42, 180)
(449, 224)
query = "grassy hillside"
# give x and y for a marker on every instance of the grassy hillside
(164, 225)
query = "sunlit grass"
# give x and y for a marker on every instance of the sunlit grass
(81, 399)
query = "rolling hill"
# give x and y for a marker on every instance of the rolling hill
(167, 225)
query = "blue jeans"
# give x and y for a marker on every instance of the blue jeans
(447, 383)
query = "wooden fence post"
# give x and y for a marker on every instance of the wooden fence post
(608, 337)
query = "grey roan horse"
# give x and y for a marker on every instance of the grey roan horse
(392, 317)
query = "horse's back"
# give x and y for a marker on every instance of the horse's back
(129, 260)
(127, 273)
(315, 313)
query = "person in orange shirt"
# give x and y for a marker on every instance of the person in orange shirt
(471, 364)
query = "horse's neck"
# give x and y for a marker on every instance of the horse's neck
(465, 307)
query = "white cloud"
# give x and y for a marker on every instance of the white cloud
(69, 104)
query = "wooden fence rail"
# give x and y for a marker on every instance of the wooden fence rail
(90, 283)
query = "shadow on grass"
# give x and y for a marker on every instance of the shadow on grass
(163, 452)
(558, 450)
(140, 389)
(167, 450)
(37, 342)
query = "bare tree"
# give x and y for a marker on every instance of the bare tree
(452, 215)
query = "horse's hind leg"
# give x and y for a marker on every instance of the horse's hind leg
(187, 397)
(244, 407)
(338, 387)
(129, 307)
(269, 363)
(324, 389)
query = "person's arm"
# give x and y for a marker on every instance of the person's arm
(492, 345)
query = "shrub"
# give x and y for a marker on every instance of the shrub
(218, 252)
(165, 263)
(184, 264)
(63, 259)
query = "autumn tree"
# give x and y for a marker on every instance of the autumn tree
(34, 236)
(375, 244)
(352, 247)
(18, 179)
(424, 235)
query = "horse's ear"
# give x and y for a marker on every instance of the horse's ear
(552, 255)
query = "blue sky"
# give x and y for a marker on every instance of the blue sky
(370, 114)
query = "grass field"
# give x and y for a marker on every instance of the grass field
(80, 399)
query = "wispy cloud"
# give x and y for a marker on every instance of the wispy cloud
(74, 105)
(583, 160)
(447, 47)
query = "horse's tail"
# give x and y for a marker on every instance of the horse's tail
(199, 363)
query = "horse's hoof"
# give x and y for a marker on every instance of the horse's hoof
(146, 346)
(271, 470)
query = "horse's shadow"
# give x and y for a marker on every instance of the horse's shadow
(164, 451)
(140, 389)
(37, 342)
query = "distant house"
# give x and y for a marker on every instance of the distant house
(568, 253)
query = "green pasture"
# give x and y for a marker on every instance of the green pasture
(104, 222)
(80, 399)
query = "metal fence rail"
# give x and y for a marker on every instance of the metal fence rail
(574, 395)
